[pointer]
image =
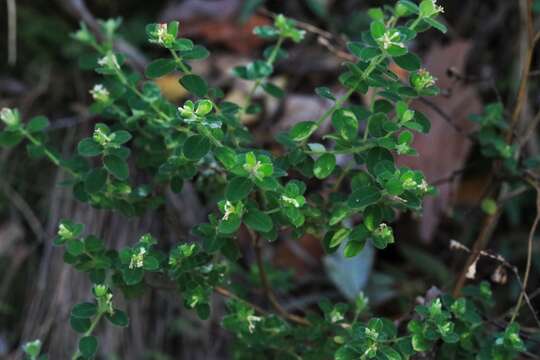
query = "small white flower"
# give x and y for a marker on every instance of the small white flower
(252, 319)
(229, 210)
(161, 32)
(109, 61)
(390, 38)
(137, 260)
(438, 8)
(100, 137)
(289, 200)
(402, 148)
(100, 93)
(9, 116)
(423, 186)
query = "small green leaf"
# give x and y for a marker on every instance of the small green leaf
(89, 147)
(80, 325)
(194, 84)
(37, 124)
(88, 346)
(118, 318)
(409, 62)
(364, 196)
(302, 130)
(273, 90)
(238, 188)
(116, 166)
(95, 180)
(339, 236)
(196, 147)
(345, 123)
(324, 166)
(436, 24)
(258, 221)
(230, 225)
(377, 29)
(325, 92)
(84, 310)
(74, 247)
(159, 67)
(353, 248)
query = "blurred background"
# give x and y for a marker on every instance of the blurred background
(477, 62)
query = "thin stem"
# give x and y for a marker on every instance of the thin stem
(88, 332)
(51, 156)
(270, 61)
(267, 287)
(529, 256)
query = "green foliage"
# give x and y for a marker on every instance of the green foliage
(174, 144)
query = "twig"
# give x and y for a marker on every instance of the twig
(12, 32)
(455, 245)
(324, 38)
(491, 220)
(529, 257)
(526, 68)
(267, 287)
(26, 210)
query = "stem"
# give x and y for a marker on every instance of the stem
(52, 157)
(270, 61)
(529, 256)
(178, 60)
(267, 287)
(88, 332)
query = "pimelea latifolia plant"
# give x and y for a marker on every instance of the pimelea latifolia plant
(266, 192)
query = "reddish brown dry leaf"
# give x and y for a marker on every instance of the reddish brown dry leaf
(444, 150)
(236, 36)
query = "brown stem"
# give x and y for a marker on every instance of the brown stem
(529, 255)
(490, 221)
(267, 287)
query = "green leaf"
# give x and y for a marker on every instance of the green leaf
(74, 247)
(377, 29)
(84, 310)
(339, 236)
(324, 166)
(302, 130)
(120, 137)
(132, 276)
(436, 24)
(93, 244)
(409, 62)
(116, 166)
(10, 138)
(196, 147)
(345, 123)
(258, 221)
(80, 325)
(364, 196)
(88, 346)
(238, 188)
(95, 180)
(230, 225)
(325, 92)
(194, 84)
(89, 147)
(118, 318)
(353, 248)
(273, 90)
(226, 156)
(159, 67)
(37, 124)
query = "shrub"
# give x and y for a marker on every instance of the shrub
(263, 191)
